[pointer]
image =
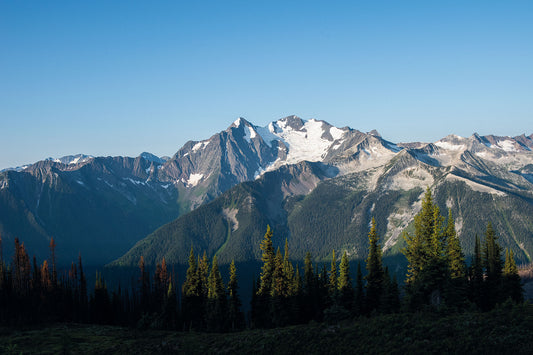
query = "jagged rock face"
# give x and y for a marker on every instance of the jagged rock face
(102, 205)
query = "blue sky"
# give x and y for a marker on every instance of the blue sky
(122, 77)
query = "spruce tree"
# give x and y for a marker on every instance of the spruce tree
(345, 287)
(492, 262)
(476, 275)
(427, 270)
(216, 307)
(309, 307)
(333, 278)
(268, 259)
(456, 292)
(192, 302)
(375, 274)
(512, 282)
(261, 305)
(235, 315)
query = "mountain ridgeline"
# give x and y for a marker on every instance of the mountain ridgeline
(315, 184)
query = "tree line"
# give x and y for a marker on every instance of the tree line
(283, 294)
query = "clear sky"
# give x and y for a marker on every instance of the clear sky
(122, 77)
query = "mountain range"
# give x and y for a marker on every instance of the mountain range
(315, 184)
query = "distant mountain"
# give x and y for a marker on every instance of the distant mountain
(329, 204)
(298, 175)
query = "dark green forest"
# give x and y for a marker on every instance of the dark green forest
(438, 279)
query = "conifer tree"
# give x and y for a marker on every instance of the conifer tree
(427, 271)
(268, 259)
(333, 278)
(512, 282)
(203, 274)
(310, 306)
(456, 292)
(493, 265)
(216, 307)
(476, 275)
(454, 251)
(290, 283)
(345, 287)
(262, 302)
(375, 274)
(235, 315)
(83, 303)
(192, 303)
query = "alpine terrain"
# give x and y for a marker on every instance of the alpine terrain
(315, 184)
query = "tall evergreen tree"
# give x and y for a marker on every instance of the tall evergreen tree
(345, 287)
(476, 275)
(262, 301)
(235, 315)
(456, 292)
(192, 303)
(427, 271)
(268, 259)
(492, 262)
(333, 278)
(511, 280)
(375, 277)
(216, 307)
(310, 307)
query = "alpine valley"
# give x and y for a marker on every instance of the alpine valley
(316, 185)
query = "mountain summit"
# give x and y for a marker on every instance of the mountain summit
(283, 172)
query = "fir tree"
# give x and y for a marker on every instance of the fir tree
(427, 270)
(476, 275)
(310, 308)
(333, 278)
(268, 259)
(512, 282)
(216, 307)
(346, 292)
(235, 315)
(83, 303)
(261, 305)
(492, 262)
(375, 273)
(456, 292)
(192, 302)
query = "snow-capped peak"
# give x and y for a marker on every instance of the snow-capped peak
(72, 159)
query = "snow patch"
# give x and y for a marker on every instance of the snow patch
(200, 145)
(450, 146)
(249, 133)
(507, 145)
(194, 179)
(336, 133)
(135, 182)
